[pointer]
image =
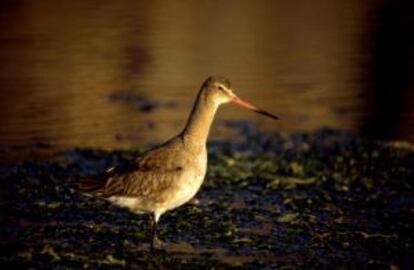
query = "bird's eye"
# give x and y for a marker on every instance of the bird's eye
(220, 87)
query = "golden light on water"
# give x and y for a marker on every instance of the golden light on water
(62, 62)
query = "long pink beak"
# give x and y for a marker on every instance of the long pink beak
(249, 106)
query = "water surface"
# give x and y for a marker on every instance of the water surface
(81, 73)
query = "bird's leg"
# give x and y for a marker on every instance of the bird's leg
(155, 242)
(153, 231)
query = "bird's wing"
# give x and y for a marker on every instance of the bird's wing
(149, 174)
(145, 183)
(96, 184)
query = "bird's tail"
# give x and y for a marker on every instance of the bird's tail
(91, 184)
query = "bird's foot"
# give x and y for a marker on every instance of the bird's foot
(157, 244)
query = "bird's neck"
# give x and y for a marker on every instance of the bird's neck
(196, 131)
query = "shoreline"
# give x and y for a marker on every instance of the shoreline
(304, 200)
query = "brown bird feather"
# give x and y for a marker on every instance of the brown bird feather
(147, 176)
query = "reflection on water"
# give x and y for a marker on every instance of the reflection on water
(62, 61)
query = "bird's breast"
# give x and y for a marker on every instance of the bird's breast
(190, 182)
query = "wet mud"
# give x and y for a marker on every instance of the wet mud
(303, 200)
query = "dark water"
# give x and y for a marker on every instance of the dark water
(113, 74)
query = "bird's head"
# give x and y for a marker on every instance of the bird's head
(219, 90)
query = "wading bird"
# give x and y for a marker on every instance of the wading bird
(169, 175)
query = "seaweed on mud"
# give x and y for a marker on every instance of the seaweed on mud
(306, 200)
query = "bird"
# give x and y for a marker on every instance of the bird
(169, 175)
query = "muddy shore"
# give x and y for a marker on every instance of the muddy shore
(304, 200)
